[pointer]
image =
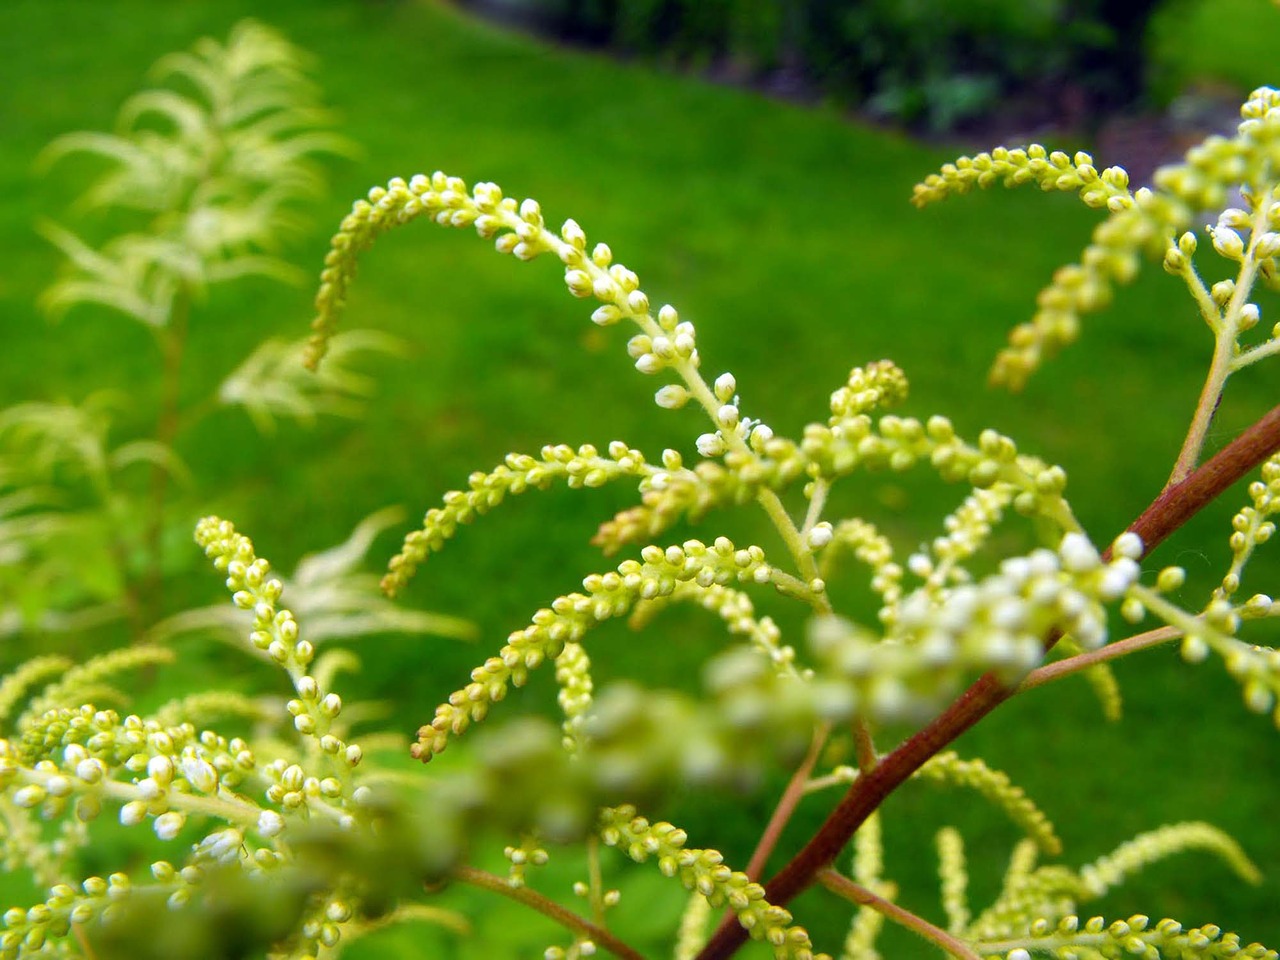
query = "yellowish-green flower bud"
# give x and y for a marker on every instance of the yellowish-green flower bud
(1194, 649)
(711, 445)
(168, 825)
(579, 282)
(573, 234)
(91, 770)
(29, 796)
(725, 387)
(606, 315)
(1170, 579)
(1227, 242)
(88, 807)
(270, 823)
(133, 813)
(671, 397)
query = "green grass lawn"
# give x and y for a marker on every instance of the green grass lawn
(1211, 43)
(785, 234)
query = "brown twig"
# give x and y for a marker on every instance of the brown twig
(1112, 651)
(547, 907)
(842, 886)
(786, 805)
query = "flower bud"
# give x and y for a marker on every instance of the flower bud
(711, 445)
(167, 825)
(671, 397)
(726, 386)
(133, 813)
(270, 823)
(1227, 242)
(29, 796)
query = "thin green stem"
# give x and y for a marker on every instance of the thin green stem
(595, 880)
(796, 544)
(1204, 300)
(548, 908)
(1206, 407)
(842, 775)
(173, 343)
(449, 919)
(1254, 354)
(235, 811)
(842, 886)
(1083, 661)
(797, 589)
(1227, 332)
(768, 499)
(99, 476)
(817, 501)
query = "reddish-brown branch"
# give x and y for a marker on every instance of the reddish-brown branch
(1183, 500)
(786, 806)
(844, 887)
(1169, 511)
(550, 908)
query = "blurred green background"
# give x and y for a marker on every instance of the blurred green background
(784, 232)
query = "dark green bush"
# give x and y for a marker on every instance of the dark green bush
(928, 63)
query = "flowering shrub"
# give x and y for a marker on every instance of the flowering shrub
(307, 843)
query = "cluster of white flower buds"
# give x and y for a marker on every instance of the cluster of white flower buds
(528, 854)
(275, 631)
(940, 635)
(731, 425)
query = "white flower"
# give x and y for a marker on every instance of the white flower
(1078, 554)
(223, 846)
(821, 535)
(133, 813)
(671, 397)
(1128, 544)
(270, 823)
(711, 445)
(29, 796)
(168, 824)
(726, 386)
(200, 774)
